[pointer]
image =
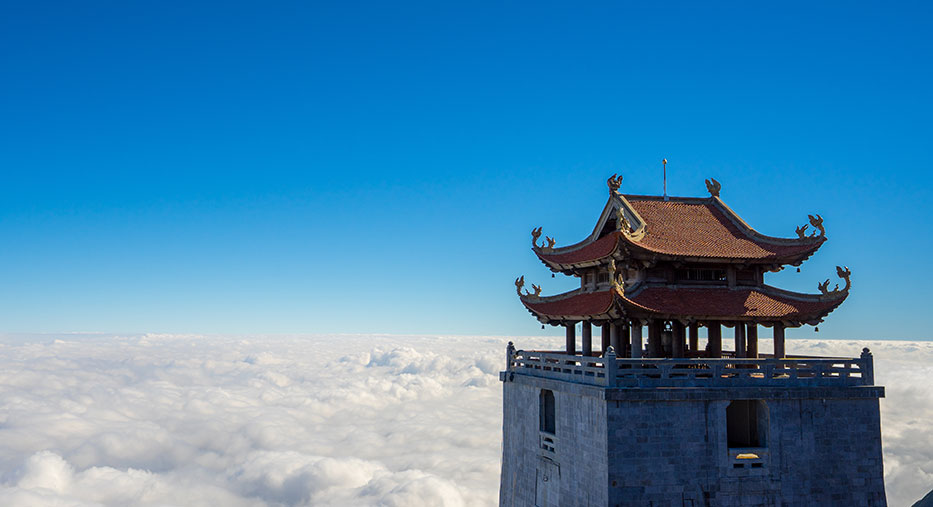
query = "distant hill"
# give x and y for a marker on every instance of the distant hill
(926, 501)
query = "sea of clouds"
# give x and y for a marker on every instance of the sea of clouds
(343, 420)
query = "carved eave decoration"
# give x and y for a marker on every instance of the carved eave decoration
(836, 292)
(547, 247)
(713, 187)
(817, 222)
(520, 283)
(625, 227)
(616, 277)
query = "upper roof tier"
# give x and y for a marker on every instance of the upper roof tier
(678, 228)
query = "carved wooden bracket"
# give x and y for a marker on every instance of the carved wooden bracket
(616, 278)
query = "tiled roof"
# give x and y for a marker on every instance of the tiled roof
(716, 302)
(700, 228)
(579, 304)
(725, 302)
(596, 250)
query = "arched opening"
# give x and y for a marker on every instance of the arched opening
(747, 423)
(546, 411)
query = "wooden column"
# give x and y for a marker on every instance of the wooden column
(714, 330)
(636, 339)
(694, 337)
(571, 338)
(752, 351)
(654, 338)
(677, 339)
(615, 338)
(739, 333)
(779, 340)
(604, 337)
(587, 339)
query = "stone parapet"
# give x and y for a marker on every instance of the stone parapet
(611, 371)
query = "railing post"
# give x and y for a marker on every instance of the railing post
(509, 354)
(611, 366)
(868, 367)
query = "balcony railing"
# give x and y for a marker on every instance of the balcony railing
(611, 371)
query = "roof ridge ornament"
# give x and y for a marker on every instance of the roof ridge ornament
(713, 187)
(842, 272)
(817, 222)
(614, 182)
(520, 282)
(535, 234)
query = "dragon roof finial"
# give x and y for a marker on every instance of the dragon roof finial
(844, 273)
(817, 222)
(614, 182)
(535, 234)
(713, 187)
(520, 282)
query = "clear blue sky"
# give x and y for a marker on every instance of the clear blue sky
(287, 167)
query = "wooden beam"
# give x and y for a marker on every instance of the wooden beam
(677, 337)
(739, 334)
(779, 340)
(752, 351)
(714, 330)
(571, 328)
(636, 339)
(604, 338)
(654, 338)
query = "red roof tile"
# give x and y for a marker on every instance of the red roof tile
(700, 228)
(716, 302)
(580, 304)
(596, 250)
(725, 302)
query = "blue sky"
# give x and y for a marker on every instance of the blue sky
(356, 167)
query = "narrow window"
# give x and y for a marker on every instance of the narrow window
(546, 411)
(747, 423)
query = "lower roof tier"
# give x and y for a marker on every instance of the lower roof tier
(758, 304)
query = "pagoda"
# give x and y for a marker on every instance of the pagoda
(666, 419)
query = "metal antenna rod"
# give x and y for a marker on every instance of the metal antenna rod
(665, 178)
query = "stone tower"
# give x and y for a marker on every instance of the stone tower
(676, 420)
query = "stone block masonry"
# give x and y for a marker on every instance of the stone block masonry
(671, 446)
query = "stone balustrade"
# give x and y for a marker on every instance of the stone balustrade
(611, 371)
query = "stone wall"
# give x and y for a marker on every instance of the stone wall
(576, 471)
(669, 447)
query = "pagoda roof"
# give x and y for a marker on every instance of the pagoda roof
(720, 303)
(679, 228)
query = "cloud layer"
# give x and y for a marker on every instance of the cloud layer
(313, 420)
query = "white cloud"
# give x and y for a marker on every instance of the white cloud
(320, 420)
